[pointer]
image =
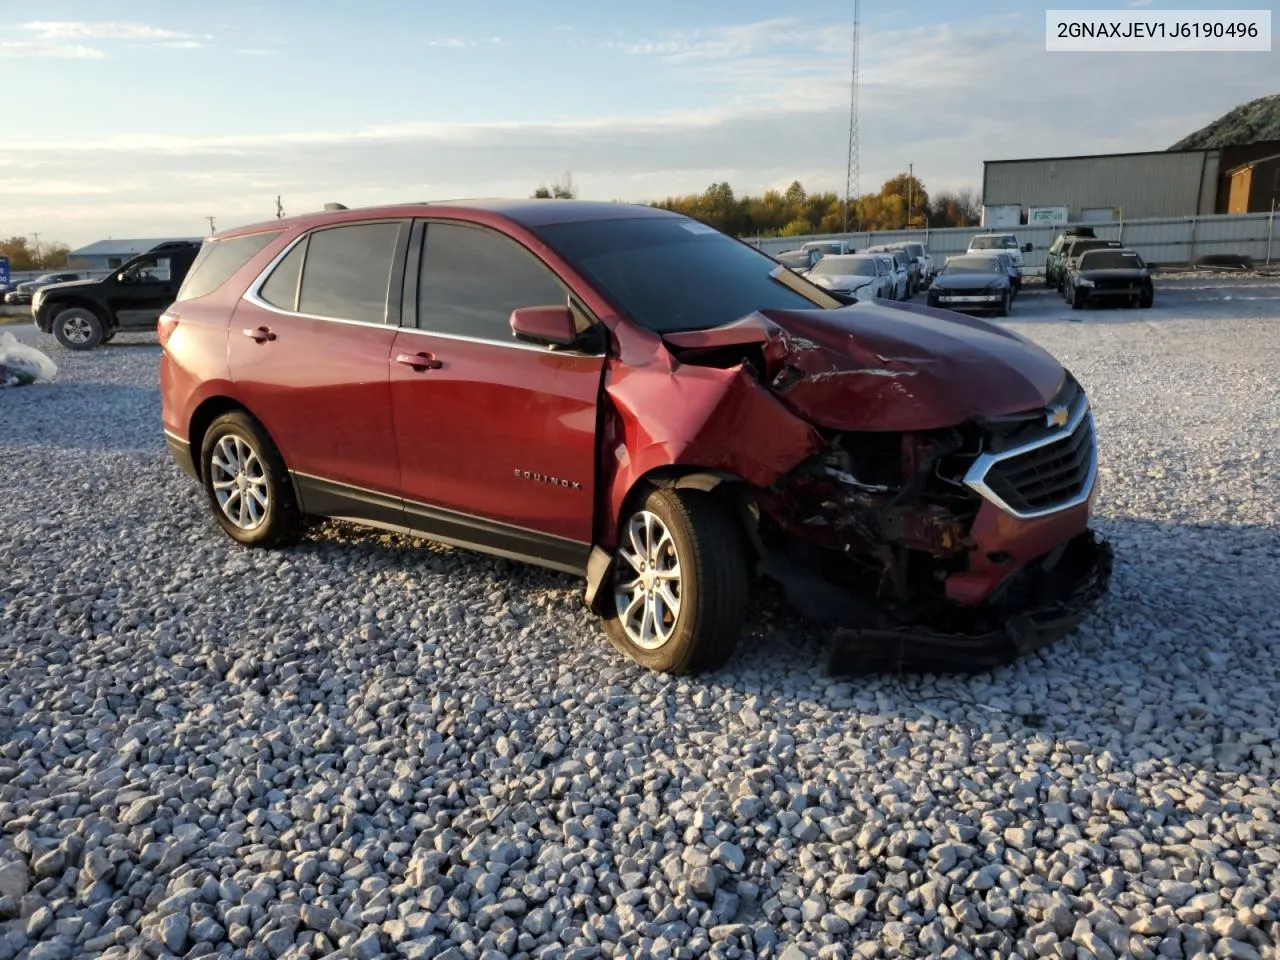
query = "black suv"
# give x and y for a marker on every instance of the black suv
(89, 312)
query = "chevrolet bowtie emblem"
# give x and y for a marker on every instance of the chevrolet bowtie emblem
(1056, 416)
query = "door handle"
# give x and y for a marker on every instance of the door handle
(419, 361)
(260, 334)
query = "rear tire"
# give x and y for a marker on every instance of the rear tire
(695, 535)
(77, 328)
(247, 483)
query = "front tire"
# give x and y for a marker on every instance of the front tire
(247, 483)
(1077, 300)
(677, 596)
(77, 328)
(1146, 298)
(1003, 309)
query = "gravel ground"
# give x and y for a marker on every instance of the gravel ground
(366, 746)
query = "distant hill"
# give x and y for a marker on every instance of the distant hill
(1248, 123)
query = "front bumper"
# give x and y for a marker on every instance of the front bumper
(1038, 605)
(1102, 293)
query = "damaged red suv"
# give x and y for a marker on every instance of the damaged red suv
(626, 394)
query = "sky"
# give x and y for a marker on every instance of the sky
(141, 120)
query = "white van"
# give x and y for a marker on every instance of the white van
(999, 243)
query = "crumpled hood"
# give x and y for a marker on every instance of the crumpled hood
(884, 366)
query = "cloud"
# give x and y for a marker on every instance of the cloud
(35, 48)
(99, 30)
(182, 44)
(780, 113)
(254, 52)
(462, 43)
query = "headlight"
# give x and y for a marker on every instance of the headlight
(1083, 282)
(36, 298)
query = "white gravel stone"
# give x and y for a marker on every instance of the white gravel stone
(386, 748)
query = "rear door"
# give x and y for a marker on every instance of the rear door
(497, 437)
(310, 346)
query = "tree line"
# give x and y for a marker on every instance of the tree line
(902, 202)
(24, 255)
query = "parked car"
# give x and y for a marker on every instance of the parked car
(1109, 274)
(898, 272)
(1069, 246)
(84, 314)
(923, 260)
(1053, 256)
(973, 283)
(1011, 269)
(809, 253)
(855, 275)
(500, 375)
(921, 264)
(23, 292)
(1006, 242)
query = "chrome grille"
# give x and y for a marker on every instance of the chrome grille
(1049, 474)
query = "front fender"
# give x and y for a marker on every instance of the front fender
(709, 423)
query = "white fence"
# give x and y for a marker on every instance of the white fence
(1167, 240)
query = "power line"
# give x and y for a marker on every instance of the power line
(851, 174)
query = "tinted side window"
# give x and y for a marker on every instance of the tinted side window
(347, 272)
(281, 288)
(472, 278)
(218, 260)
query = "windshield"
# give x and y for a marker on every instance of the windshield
(843, 267)
(670, 273)
(972, 265)
(993, 243)
(1081, 246)
(915, 249)
(1111, 260)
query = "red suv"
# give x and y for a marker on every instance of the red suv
(626, 394)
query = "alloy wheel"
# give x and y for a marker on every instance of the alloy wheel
(647, 582)
(239, 482)
(77, 329)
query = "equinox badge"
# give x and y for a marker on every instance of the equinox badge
(545, 478)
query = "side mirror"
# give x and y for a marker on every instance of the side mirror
(551, 326)
(1028, 248)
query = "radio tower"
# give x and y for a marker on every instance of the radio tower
(851, 188)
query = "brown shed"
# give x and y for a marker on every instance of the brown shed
(1254, 186)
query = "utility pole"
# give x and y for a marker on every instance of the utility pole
(212, 229)
(911, 186)
(279, 208)
(37, 236)
(851, 173)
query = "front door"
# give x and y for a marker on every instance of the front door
(309, 354)
(497, 437)
(143, 291)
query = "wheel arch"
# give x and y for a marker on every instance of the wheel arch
(209, 410)
(51, 310)
(721, 483)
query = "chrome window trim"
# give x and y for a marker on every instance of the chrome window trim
(253, 294)
(976, 476)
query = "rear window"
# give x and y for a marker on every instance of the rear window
(347, 272)
(218, 260)
(993, 243)
(1111, 260)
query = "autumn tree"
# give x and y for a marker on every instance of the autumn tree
(23, 255)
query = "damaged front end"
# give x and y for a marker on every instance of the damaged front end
(959, 539)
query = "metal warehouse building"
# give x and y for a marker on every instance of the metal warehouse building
(1129, 186)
